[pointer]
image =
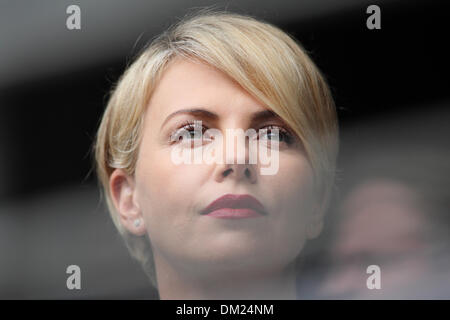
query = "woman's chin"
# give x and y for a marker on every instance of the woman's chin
(235, 256)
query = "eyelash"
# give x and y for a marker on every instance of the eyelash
(186, 125)
(288, 137)
(189, 124)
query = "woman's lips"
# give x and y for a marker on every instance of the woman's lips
(228, 213)
(231, 206)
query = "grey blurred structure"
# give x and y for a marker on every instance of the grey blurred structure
(40, 45)
(40, 236)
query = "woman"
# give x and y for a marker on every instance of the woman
(218, 230)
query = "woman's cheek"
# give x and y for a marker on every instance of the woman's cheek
(296, 176)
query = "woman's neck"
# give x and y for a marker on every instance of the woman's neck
(176, 284)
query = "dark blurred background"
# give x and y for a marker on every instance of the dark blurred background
(390, 87)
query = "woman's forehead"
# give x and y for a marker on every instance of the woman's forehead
(194, 85)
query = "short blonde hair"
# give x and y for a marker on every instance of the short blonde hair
(268, 63)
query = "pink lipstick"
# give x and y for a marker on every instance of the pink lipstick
(232, 206)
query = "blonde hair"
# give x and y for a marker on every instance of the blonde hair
(268, 63)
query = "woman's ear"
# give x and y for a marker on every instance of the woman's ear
(123, 194)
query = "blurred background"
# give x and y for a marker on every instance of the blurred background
(391, 90)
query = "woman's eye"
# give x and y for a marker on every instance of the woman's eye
(189, 131)
(194, 132)
(276, 134)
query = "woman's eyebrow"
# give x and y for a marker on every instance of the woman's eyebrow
(263, 116)
(256, 117)
(192, 111)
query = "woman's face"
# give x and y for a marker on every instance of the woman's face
(171, 196)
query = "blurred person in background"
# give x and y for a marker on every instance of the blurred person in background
(393, 213)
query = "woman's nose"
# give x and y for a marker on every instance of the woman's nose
(240, 172)
(237, 164)
(237, 172)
